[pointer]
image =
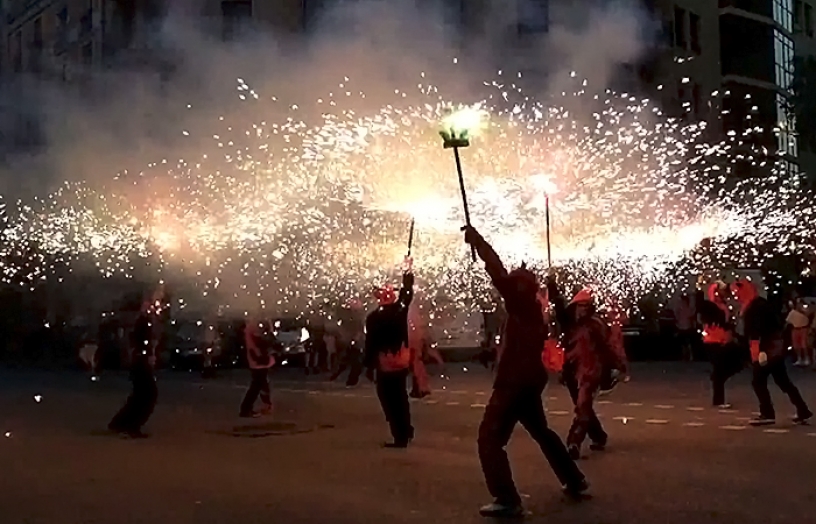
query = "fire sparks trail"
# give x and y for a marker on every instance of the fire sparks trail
(292, 214)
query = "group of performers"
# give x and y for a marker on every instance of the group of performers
(541, 326)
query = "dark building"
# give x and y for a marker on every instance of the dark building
(757, 56)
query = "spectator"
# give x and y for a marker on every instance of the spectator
(799, 322)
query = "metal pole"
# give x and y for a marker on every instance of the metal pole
(411, 238)
(547, 214)
(464, 195)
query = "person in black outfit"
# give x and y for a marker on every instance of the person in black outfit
(763, 328)
(142, 400)
(387, 351)
(517, 389)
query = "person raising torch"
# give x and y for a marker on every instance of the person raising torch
(763, 328)
(387, 351)
(517, 388)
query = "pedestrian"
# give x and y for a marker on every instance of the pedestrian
(142, 400)
(330, 341)
(589, 361)
(260, 360)
(387, 352)
(517, 388)
(763, 328)
(718, 340)
(421, 350)
(89, 352)
(686, 326)
(350, 344)
(799, 323)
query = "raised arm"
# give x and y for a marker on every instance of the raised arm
(493, 264)
(406, 294)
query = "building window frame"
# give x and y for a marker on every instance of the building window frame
(680, 28)
(783, 14)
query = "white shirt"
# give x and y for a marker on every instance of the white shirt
(797, 319)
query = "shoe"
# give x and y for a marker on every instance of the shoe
(138, 434)
(266, 410)
(806, 363)
(762, 421)
(723, 406)
(396, 445)
(254, 414)
(803, 418)
(597, 446)
(576, 491)
(502, 510)
(798, 363)
(574, 451)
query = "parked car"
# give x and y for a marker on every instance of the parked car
(290, 337)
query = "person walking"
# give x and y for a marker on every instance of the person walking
(139, 406)
(517, 389)
(260, 361)
(799, 323)
(589, 361)
(763, 328)
(718, 339)
(387, 352)
(686, 318)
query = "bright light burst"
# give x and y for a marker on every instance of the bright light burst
(300, 215)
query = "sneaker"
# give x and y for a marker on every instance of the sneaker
(576, 491)
(502, 510)
(254, 414)
(798, 363)
(762, 421)
(597, 446)
(806, 363)
(266, 410)
(574, 451)
(723, 406)
(802, 418)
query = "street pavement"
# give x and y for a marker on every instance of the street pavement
(317, 459)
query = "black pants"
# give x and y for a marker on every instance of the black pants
(777, 369)
(258, 386)
(350, 359)
(141, 402)
(586, 422)
(726, 361)
(393, 395)
(507, 407)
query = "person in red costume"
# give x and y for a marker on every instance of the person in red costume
(718, 340)
(590, 360)
(260, 360)
(517, 388)
(763, 328)
(387, 352)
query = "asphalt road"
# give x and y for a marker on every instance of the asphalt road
(671, 459)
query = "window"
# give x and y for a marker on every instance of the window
(236, 15)
(86, 22)
(533, 16)
(783, 14)
(785, 132)
(17, 46)
(667, 33)
(680, 39)
(783, 60)
(694, 33)
(87, 54)
(37, 45)
(808, 21)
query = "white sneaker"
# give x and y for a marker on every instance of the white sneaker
(501, 511)
(806, 363)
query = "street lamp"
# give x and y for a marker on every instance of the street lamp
(455, 132)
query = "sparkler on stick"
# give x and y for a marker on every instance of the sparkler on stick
(411, 238)
(456, 130)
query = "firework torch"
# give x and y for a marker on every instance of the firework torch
(455, 133)
(411, 239)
